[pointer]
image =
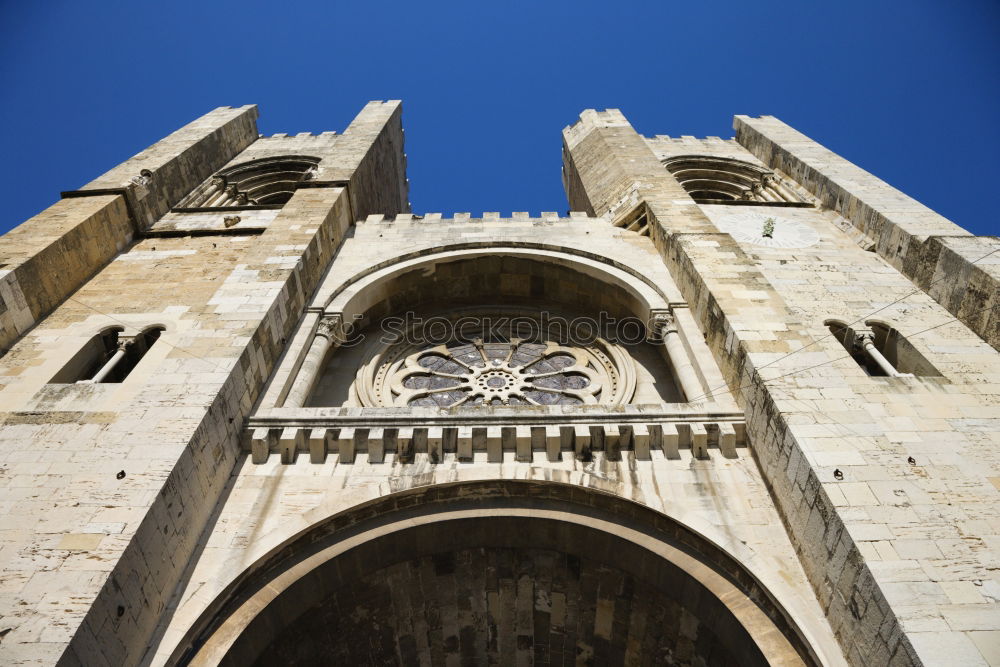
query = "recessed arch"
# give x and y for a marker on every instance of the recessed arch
(266, 182)
(657, 563)
(624, 290)
(711, 179)
(572, 306)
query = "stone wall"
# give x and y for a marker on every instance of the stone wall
(179, 162)
(51, 254)
(960, 271)
(276, 496)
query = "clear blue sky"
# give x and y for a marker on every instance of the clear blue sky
(908, 90)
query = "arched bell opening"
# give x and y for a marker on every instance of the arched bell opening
(266, 182)
(485, 328)
(710, 179)
(498, 572)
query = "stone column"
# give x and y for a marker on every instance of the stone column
(110, 364)
(865, 339)
(774, 183)
(328, 335)
(666, 327)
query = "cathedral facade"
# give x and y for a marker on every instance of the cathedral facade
(738, 406)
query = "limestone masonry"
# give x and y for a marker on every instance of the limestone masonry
(738, 406)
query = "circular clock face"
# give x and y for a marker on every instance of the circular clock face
(767, 230)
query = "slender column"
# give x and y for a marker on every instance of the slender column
(328, 335)
(231, 195)
(765, 194)
(666, 327)
(865, 339)
(778, 187)
(110, 364)
(216, 192)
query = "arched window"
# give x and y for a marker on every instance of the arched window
(881, 350)
(265, 183)
(716, 180)
(899, 352)
(108, 356)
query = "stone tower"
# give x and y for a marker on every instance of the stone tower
(740, 406)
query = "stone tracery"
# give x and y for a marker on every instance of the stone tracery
(514, 373)
(481, 370)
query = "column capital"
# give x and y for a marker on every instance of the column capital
(124, 341)
(862, 336)
(661, 323)
(331, 327)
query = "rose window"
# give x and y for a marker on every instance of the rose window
(513, 372)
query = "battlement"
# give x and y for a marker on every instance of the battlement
(665, 146)
(299, 135)
(490, 216)
(590, 119)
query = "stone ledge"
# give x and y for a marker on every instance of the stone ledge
(463, 439)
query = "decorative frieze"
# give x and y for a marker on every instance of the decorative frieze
(523, 441)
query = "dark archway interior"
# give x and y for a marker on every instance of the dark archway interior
(498, 280)
(496, 590)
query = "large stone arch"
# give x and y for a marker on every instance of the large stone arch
(624, 290)
(644, 587)
(551, 290)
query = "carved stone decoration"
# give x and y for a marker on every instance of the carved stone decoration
(331, 327)
(496, 371)
(262, 182)
(862, 337)
(141, 183)
(526, 374)
(144, 179)
(661, 324)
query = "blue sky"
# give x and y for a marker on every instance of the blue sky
(908, 90)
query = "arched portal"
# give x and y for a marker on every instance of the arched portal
(498, 572)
